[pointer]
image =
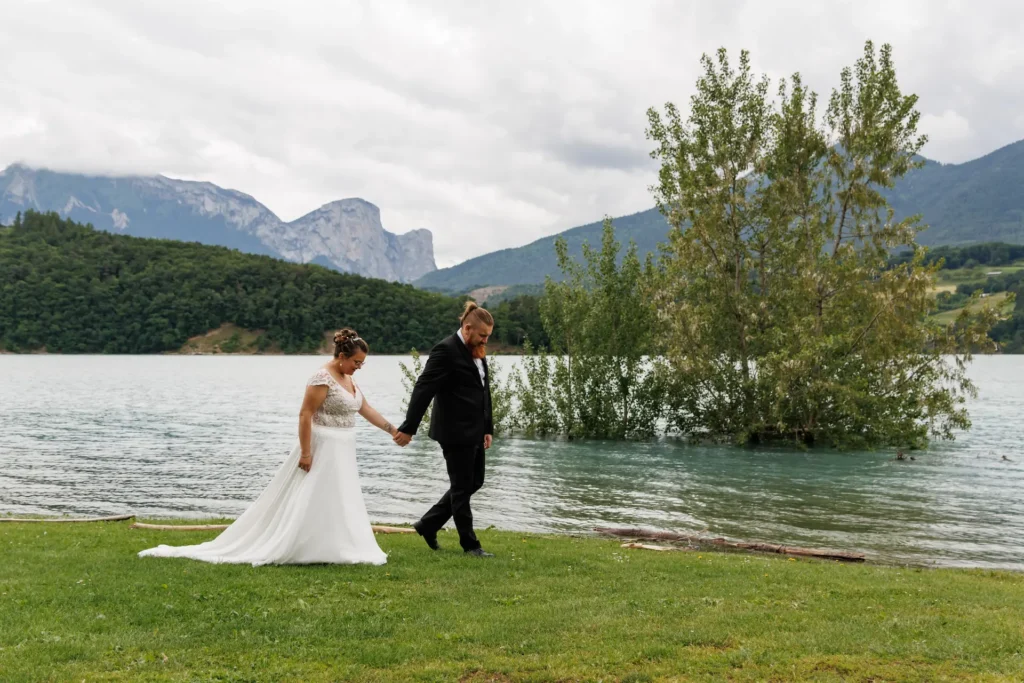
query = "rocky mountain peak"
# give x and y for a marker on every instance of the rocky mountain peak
(349, 231)
(346, 234)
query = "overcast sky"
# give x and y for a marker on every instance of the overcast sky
(490, 123)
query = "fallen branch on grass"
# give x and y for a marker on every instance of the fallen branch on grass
(116, 518)
(645, 534)
(641, 546)
(393, 530)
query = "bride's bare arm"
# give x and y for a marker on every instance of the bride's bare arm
(314, 398)
(376, 419)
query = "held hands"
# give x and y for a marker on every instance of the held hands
(305, 462)
(403, 439)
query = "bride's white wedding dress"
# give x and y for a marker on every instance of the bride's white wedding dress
(303, 517)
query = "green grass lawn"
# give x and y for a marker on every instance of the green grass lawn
(77, 604)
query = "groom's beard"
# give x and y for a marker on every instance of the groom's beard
(479, 351)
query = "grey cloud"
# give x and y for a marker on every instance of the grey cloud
(492, 124)
(597, 155)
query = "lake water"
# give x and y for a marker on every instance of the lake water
(188, 436)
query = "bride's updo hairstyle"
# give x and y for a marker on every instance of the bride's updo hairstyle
(347, 343)
(476, 315)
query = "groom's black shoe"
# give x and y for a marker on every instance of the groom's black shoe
(479, 552)
(431, 539)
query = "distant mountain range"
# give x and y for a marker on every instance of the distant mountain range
(529, 264)
(345, 235)
(977, 201)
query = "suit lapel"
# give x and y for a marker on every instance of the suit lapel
(472, 363)
(465, 350)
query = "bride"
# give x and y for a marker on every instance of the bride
(312, 511)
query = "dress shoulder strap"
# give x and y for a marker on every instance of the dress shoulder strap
(320, 378)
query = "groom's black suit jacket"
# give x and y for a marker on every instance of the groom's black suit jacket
(462, 403)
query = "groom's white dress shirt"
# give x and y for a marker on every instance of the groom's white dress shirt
(479, 362)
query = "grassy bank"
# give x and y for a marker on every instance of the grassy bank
(77, 604)
(230, 339)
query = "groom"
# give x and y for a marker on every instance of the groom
(457, 380)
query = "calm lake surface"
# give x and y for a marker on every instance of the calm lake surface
(201, 436)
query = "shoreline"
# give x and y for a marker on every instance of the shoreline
(658, 541)
(322, 352)
(231, 340)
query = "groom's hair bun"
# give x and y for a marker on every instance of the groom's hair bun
(472, 313)
(347, 342)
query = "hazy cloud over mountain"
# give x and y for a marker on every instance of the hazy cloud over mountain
(490, 123)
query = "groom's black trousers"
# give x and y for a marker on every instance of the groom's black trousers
(466, 474)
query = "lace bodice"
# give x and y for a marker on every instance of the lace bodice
(340, 407)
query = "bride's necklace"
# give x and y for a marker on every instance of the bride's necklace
(351, 389)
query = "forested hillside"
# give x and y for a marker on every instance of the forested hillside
(67, 288)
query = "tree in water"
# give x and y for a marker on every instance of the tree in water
(784, 318)
(600, 379)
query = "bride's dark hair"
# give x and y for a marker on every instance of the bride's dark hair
(347, 343)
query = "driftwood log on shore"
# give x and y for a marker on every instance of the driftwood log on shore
(116, 518)
(221, 527)
(393, 530)
(645, 534)
(645, 546)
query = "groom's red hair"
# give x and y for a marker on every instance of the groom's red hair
(475, 315)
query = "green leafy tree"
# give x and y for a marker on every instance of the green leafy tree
(518, 319)
(783, 316)
(600, 380)
(501, 398)
(409, 375)
(534, 413)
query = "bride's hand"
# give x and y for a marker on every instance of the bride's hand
(305, 462)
